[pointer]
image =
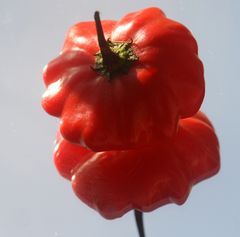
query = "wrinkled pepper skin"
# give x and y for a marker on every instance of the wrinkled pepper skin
(114, 182)
(135, 109)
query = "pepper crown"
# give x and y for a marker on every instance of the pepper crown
(114, 57)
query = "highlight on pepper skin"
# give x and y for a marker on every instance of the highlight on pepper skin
(115, 182)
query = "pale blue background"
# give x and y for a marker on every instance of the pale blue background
(34, 199)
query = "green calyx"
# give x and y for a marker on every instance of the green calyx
(114, 58)
(120, 63)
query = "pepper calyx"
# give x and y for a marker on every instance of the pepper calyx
(114, 58)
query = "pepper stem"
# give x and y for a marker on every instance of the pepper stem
(139, 222)
(110, 59)
(114, 58)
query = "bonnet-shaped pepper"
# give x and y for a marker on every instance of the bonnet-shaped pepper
(115, 182)
(124, 84)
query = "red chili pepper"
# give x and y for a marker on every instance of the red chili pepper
(129, 91)
(114, 182)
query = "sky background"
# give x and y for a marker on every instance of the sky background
(34, 199)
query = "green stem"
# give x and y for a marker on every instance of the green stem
(114, 58)
(110, 59)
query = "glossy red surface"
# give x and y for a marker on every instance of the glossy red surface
(133, 110)
(114, 182)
